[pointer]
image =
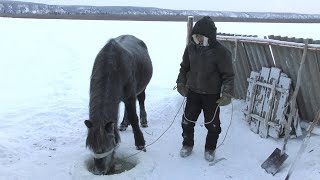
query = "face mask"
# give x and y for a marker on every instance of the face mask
(200, 40)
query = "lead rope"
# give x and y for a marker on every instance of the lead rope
(227, 128)
(234, 60)
(213, 119)
(182, 104)
(174, 119)
(214, 115)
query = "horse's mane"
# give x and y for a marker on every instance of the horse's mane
(104, 86)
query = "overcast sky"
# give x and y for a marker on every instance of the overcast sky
(295, 6)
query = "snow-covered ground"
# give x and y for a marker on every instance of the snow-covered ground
(45, 66)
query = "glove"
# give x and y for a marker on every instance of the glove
(182, 89)
(224, 100)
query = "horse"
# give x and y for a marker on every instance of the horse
(121, 72)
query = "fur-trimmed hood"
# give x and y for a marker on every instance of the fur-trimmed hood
(206, 27)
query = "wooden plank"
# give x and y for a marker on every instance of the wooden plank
(272, 124)
(269, 101)
(267, 85)
(279, 109)
(251, 93)
(259, 99)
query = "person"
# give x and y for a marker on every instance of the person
(206, 79)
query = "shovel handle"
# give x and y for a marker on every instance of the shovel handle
(303, 145)
(292, 101)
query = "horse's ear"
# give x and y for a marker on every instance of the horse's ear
(88, 123)
(109, 127)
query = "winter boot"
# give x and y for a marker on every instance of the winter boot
(209, 154)
(186, 151)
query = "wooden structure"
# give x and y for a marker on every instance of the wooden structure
(267, 103)
(252, 53)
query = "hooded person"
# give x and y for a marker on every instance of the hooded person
(205, 27)
(206, 79)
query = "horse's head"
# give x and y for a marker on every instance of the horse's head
(101, 140)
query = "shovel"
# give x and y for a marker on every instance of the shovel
(273, 163)
(277, 158)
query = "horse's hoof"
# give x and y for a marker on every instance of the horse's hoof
(143, 122)
(122, 128)
(144, 125)
(141, 148)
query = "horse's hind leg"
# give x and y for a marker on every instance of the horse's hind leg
(143, 113)
(130, 105)
(125, 122)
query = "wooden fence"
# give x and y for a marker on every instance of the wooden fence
(252, 53)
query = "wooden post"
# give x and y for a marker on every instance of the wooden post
(189, 28)
(303, 145)
(292, 101)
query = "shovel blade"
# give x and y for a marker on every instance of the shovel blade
(274, 161)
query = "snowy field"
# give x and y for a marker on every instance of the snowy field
(45, 66)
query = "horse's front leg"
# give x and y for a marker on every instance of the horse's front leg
(125, 122)
(130, 106)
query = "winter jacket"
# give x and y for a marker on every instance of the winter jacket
(206, 69)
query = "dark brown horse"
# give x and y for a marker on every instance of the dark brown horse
(121, 72)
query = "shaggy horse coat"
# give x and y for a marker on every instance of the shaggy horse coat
(121, 72)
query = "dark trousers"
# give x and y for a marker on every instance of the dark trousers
(207, 103)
